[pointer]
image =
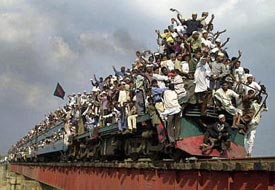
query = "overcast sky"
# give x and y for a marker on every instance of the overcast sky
(47, 41)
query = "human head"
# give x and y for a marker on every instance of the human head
(203, 14)
(173, 56)
(138, 54)
(179, 57)
(164, 71)
(179, 40)
(197, 54)
(225, 86)
(205, 34)
(154, 83)
(220, 57)
(186, 57)
(151, 59)
(222, 118)
(249, 78)
(237, 64)
(195, 35)
(194, 16)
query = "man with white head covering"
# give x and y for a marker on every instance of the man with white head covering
(218, 71)
(252, 85)
(193, 24)
(217, 133)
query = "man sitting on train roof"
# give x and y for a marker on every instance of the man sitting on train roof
(217, 134)
(224, 96)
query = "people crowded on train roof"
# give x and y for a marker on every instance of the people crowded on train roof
(191, 66)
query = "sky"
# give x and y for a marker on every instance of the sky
(68, 41)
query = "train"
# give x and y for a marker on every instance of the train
(108, 143)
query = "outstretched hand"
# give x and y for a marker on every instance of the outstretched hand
(239, 53)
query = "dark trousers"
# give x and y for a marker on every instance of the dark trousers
(140, 104)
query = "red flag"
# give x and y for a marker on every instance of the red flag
(59, 92)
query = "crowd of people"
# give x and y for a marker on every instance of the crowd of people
(191, 66)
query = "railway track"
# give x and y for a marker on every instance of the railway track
(240, 164)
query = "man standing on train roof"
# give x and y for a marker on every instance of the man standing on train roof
(218, 71)
(172, 110)
(202, 84)
(252, 126)
(193, 24)
(217, 133)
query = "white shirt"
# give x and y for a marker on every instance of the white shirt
(170, 99)
(122, 97)
(83, 99)
(171, 104)
(168, 64)
(201, 77)
(160, 79)
(185, 67)
(226, 95)
(179, 86)
(239, 74)
(181, 29)
(252, 86)
(207, 43)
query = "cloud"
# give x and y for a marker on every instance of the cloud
(22, 93)
(44, 42)
(62, 50)
(118, 42)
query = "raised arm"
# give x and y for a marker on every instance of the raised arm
(210, 22)
(158, 33)
(237, 59)
(95, 78)
(116, 72)
(174, 20)
(203, 18)
(94, 84)
(227, 40)
(217, 34)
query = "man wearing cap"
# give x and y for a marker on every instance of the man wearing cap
(217, 133)
(252, 85)
(195, 41)
(218, 71)
(192, 24)
(205, 41)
